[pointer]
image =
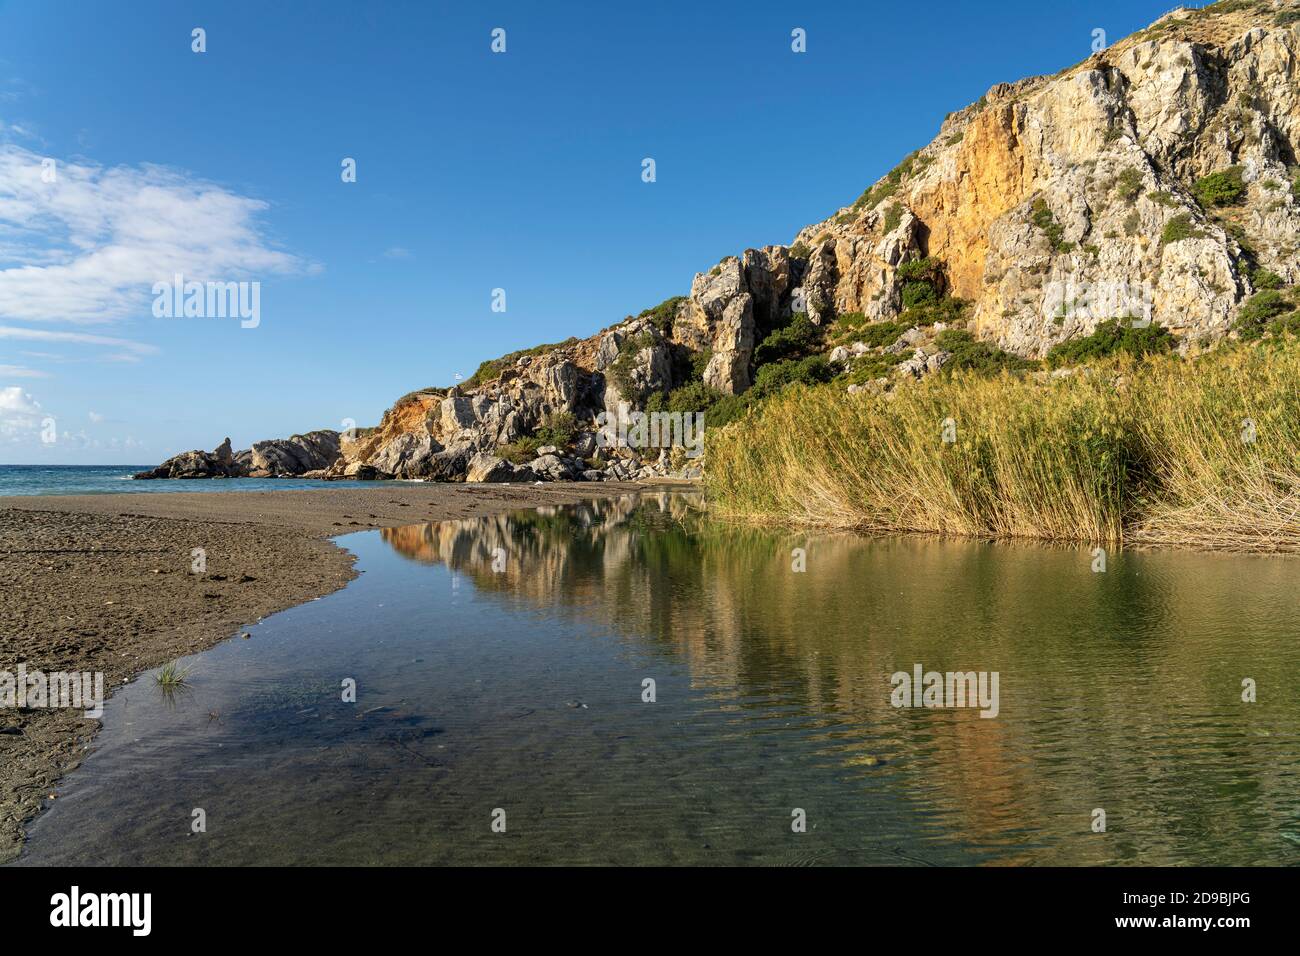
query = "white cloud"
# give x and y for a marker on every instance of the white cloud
(131, 350)
(88, 247)
(19, 412)
(95, 418)
(21, 371)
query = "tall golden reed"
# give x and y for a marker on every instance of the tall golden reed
(1201, 452)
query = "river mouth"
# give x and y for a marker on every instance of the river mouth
(502, 713)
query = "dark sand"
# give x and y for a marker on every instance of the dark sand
(104, 583)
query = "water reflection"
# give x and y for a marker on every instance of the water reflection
(500, 663)
(1121, 690)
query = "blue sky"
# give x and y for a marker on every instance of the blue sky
(475, 171)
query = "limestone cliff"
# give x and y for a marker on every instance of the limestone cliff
(1157, 180)
(1083, 186)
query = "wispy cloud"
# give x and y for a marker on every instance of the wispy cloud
(127, 346)
(21, 371)
(88, 247)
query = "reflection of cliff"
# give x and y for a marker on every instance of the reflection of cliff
(1078, 653)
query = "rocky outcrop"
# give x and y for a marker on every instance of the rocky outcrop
(1050, 205)
(293, 457)
(1058, 202)
(282, 458)
(219, 463)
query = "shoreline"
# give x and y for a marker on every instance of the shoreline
(103, 583)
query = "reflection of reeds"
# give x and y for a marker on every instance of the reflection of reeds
(1153, 453)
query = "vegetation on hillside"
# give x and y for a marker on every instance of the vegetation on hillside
(1202, 452)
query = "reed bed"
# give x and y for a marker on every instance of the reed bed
(1200, 452)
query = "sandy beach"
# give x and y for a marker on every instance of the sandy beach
(103, 583)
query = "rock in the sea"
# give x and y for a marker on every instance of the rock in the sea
(219, 463)
(293, 456)
(488, 467)
(281, 458)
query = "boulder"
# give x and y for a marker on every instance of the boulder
(289, 457)
(406, 456)
(486, 467)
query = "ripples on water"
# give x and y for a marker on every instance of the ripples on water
(522, 690)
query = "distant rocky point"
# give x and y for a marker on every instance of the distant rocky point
(302, 456)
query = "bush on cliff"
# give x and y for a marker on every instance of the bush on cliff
(969, 354)
(1111, 337)
(797, 339)
(776, 376)
(1224, 188)
(1256, 312)
(493, 367)
(662, 315)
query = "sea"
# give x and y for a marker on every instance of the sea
(116, 479)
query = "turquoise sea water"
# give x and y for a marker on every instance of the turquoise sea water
(115, 479)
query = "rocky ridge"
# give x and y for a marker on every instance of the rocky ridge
(1157, 180)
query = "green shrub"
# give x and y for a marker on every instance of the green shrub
(1111, 337)
(661, 316)
(1223, 188)
(799, 251)
(922, 281)
(1266, 279)
(893, 216)
(776, 376)
(521, 451)
(559, 429)
(1042, 218)
(970, 354)
(918, 293)
(619, 373)
(1129, 183)
(727, 409)
(1256, 312)
(879, 334)
(798, 338)
(946, 310)
(493, 367)
(1179, 228)
(872, 366)
(700, 361)
(692, 397)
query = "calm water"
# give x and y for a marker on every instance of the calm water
(115, 479)
(522, 690)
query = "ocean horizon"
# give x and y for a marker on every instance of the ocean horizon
(116, 479)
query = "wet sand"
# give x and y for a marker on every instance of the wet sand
(104, 583)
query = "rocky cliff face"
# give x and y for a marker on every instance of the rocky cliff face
(1057, 202)
(1157, 180)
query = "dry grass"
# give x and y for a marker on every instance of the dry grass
(1140, 452)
